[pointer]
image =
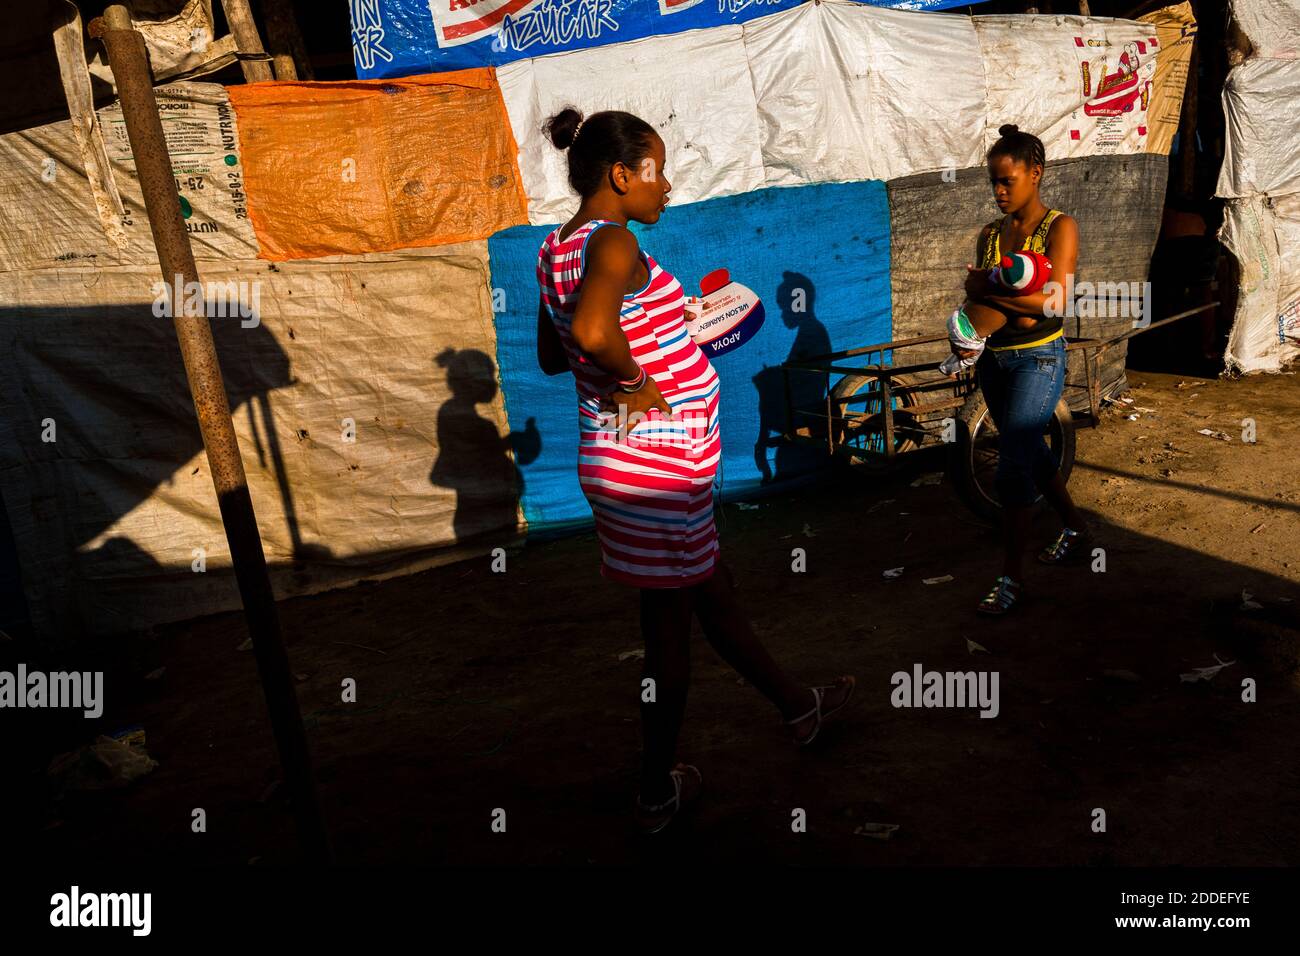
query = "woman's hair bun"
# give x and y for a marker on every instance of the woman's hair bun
(1020, 146)
(563, 127)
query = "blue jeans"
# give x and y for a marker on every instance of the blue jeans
(1022, 387)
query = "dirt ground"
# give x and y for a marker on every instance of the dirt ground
(517, 691)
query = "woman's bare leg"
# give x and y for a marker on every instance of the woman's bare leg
(727, 629)
(666, 628)
(1059, 497)
(1015, 537)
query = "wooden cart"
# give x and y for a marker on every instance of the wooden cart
(880, 409)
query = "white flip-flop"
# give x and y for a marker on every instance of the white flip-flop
(819, 694)
(678, 775)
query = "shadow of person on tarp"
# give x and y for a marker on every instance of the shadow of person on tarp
(795, 297)
(473, 457)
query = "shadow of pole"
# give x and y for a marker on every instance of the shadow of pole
(1187, 486)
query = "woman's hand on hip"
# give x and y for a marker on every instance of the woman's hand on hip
(638, 403)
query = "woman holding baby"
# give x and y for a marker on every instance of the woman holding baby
(1021, 370)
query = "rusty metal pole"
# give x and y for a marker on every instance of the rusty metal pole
(127, 57)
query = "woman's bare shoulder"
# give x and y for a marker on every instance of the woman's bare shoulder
(612, 241)
(1063, 222)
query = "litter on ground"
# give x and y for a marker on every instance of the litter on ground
(1205, 673)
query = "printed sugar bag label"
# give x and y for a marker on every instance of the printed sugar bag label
(1115, 81)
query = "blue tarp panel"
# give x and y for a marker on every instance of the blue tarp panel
(831, 241)
(404, 37)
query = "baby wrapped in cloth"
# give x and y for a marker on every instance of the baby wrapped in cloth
(1020, 273)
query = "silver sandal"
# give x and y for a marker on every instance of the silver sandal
(1002, 598)
(1069, 547)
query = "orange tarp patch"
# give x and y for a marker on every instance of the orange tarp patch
(373, 165)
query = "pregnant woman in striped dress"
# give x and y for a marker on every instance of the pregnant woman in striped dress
(649, 442)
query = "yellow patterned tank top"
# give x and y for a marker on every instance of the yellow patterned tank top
(1049, 327)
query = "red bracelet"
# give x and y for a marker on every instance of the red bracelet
(632, 385)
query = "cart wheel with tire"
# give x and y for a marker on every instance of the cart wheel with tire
(858, 425)
(973, 460)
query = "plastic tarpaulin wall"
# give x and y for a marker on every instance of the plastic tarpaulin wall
(1260, 177)
(102, 466)
(706, 115)
(847, 92)
(1175, 32)
(1264, 235)
(379, 165)
(830, 241)
(836, 91)
(1092, 85)
(400, 37)
(176, 43)
(1273, 26)
(52, 221)
(405, 345)
(1261, 103)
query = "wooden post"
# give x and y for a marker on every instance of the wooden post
(1084, 11)
(288, 51)
(244, 28)
(1187, 126)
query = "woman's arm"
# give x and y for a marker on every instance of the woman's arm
(977, 280)
(1063, 251)
(612, 256)
(612, 260)
(550, 350)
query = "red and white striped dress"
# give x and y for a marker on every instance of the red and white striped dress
(652, 495)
